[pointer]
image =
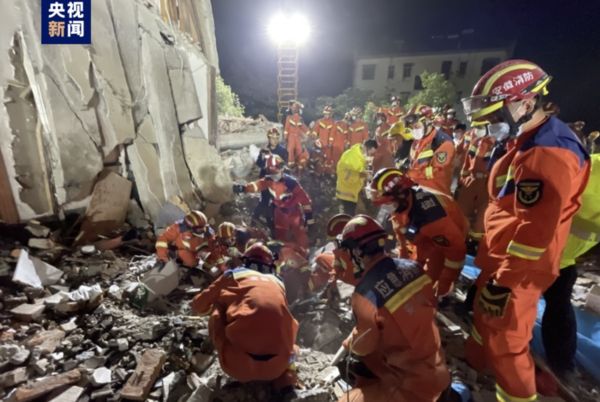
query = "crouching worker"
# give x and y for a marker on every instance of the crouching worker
(184, 240)
(250, 323)
(395, 339)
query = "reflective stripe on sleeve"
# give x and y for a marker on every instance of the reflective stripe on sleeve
(524, 251)
(454, 264)
(162, 244)
(504, 396)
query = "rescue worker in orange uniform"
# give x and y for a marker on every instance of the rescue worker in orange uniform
(324, 130)
(472, 195)
(534, 191)
(250, 323)
(430, 227)
(395, 338)
(229, 245)
(340, 138)
(462, 142)
(432, 152)
(294, 133)
(358, 132)
(384, 156)
(450, 121)
(292, 209)
(395, 112)
(294, 270)
(185, 239)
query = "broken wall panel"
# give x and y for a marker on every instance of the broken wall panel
(134, 91)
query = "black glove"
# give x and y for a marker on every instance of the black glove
(160, 264)
(238, 188)
(494, 299)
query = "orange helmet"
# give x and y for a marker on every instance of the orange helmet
(274, 163)
(510, 81)
(418, 113)
(324, 262)
(336, 224)
(273, 133)
(387, 185)
(196, 221)
(226, 230)
(259, 257)
(364, 233)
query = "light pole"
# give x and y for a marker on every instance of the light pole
(288, 32)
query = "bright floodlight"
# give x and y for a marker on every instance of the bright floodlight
(289, 30)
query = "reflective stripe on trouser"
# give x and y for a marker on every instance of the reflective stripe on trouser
(505, 341)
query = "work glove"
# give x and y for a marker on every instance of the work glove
(494, 299)
(160, 264)
(308, 219)
(238, 188)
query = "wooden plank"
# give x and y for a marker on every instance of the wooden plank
(140, 383)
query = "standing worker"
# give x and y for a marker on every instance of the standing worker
(432, 152)
(292, 207)
(294, 133)
(262, 213)
(384, 157)
(395, 338)
(395, 112)
(429, 226)
(324, 132)
(250, 322)
(340, 138)
(534, 190)
(472, 195)
(352, 174)
(359, 129)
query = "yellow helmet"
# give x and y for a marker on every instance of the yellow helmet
(398, 128)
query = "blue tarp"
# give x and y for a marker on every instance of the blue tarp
(588, 331)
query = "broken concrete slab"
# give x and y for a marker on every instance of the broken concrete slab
(162, 281)
(13, 377)
(34, 272)
(46, 342)
(37, 229)
(101, 376)
(28, 312)
(139, 384)
(72, 394)
(46, 385)
(107, 209)
(187, 106)
(41, 244)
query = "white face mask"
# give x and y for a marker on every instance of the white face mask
(480, 132)
(500, 131)
(418, 133)
(379, 122)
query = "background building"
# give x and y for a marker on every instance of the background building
(398, 74)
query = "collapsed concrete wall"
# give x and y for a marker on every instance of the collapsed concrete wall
(123, 104)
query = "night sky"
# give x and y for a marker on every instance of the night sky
(563, 36)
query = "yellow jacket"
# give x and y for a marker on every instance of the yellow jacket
(585, 230)
(349, 172)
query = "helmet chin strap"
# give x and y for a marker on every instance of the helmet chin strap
(515, 125)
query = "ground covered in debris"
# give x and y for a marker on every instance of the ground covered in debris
(75, 325)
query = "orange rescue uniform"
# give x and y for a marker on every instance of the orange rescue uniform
(292, 208)
(384, 155)
(180, 239)
(396, 336)
(534, 191)
(294, 132)
(324, 130)
(431, 161)
(340, 140)
(251, 326)
(358, 132)
(472, 195)
(433, 231)
(394, 114)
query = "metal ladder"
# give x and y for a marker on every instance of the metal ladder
(287, 77)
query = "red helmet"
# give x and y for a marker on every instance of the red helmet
(362, 232)
(196, 221)
(418, 113)
(258, 254)
(273, 133)
(387, 184)
(226, 230)
(336, 224)
(510, 81)
(274, 163)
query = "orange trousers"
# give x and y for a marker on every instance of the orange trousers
(289, 227)
(501, 344)
(241, 365)
(473, 199)
(295, 153)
